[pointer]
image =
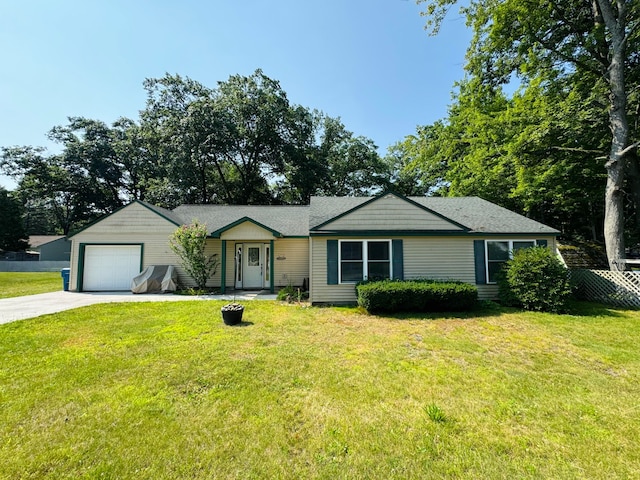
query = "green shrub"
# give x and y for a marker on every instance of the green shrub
(416, 296)
(534, 279)
(292, 294)
(189, 242)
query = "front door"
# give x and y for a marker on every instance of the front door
(252, 265)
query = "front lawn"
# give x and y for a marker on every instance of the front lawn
(18, 284)
(165, 390)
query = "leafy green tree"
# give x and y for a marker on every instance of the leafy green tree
(418, 165)
(99, 169)
(562, 38)
(189, 242)
(12, 232)
(353, 164)
(305, 166)
(242, 142)
(171, 130)
(245, 143)
(230, 144)
(534, 152)
(68, 193)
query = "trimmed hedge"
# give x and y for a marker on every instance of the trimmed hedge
(390, 296)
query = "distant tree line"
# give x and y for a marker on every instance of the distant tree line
(242, 142)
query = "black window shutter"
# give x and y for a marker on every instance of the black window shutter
(478, 251)
(541, 243)
(332, 262)
(398, 259)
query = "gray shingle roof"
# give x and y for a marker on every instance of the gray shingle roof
(289, 220)
(36, 241)
(483, 216)
(479, 215)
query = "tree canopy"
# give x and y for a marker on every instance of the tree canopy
(13, 236)
(242, 142)
(569, 133)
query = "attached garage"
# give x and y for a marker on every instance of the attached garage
(109, 267)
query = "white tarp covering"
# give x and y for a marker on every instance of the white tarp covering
(156, 279)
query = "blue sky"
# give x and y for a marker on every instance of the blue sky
(369, 62)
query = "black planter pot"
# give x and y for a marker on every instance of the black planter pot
(232, 317)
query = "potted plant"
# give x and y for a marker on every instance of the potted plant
(232, 312)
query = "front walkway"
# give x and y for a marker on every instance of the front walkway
(20, 308)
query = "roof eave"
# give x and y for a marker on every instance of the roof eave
(217, 233)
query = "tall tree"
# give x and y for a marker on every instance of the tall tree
(12, 232)
(599, 38)
(163, 122)
(418, 164)
(67, 190)
(520, 152)
(230, 144)
(242, 142)
(353, 164)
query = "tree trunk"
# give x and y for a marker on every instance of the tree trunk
(613, 214)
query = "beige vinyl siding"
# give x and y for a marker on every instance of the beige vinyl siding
(488, 292)
(293, 265)
(445, 258)
(390, 213)
(247, 231)
(320, 291)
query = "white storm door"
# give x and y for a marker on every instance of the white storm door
(252, 265)
(110, 267)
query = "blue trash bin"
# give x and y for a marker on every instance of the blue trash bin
(64, 273)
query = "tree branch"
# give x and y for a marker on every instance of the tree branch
(578, 150)
(629, 148)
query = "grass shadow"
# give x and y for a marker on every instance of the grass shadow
(582, 308)
(484, 309)
(493, 309)
(243, 323)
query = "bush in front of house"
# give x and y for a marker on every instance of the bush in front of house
(189, 242)
(291, 294)
(390, 296)
(535, 279)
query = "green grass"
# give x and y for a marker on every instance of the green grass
(17, 284)
(165, 390)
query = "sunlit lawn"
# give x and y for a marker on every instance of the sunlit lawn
(165, 390)
(17, 284)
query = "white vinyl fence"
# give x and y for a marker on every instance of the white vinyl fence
(45, 266)
(621, 289)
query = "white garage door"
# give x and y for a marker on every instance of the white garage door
(110, 267)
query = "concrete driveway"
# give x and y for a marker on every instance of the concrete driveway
(20, 308)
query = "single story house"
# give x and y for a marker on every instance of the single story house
(55, 248)
(331, 244)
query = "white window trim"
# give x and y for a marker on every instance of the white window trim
(510, 242)
(365, 261)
